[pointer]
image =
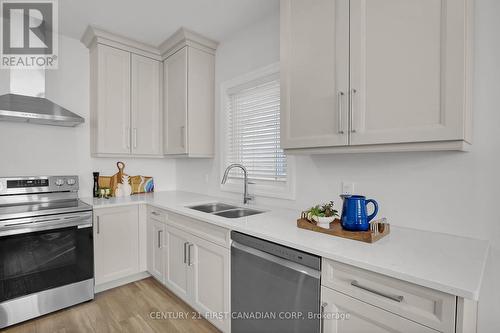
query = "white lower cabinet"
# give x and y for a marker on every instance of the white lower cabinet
(195, 267)
(156, 241)
(210, 278)
(356, 300)
(419, 304)
(345, 314)
(176, 277)
(116, 243)
(192, 258)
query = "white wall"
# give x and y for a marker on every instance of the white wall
(27, 149)
(441, 191)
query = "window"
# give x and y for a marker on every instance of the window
(252, 135)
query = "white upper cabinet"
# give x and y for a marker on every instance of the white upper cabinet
(188, 95)
(125, 96)
(150, 101)
(175, 96)
(111, 90)
(403, 66)
(408, 71)
(146, 106)
(314, 73)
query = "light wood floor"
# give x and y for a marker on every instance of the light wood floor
(123, 309)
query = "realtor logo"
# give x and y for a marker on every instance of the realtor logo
(29, 34)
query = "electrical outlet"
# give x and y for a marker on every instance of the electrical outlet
(347, 188)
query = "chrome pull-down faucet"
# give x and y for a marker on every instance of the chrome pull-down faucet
(246, 196)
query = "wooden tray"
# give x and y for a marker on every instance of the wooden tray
(336, 230)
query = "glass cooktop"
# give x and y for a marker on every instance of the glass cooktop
(42, 208)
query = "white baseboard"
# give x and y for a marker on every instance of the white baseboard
(120, 282)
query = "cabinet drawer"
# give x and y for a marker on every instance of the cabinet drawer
(157, 214)
(423, 305)
(346, 314)
(205, 230)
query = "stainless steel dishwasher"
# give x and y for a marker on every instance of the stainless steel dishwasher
(274, 288)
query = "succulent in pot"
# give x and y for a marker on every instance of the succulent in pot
(323, 214)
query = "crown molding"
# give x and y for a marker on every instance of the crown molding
(185, 37)
(181, 38)
(94, 35)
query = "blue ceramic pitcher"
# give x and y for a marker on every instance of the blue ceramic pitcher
(354, 213)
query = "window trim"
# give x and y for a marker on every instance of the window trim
(286, 190)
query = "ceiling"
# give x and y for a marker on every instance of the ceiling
(152, 21)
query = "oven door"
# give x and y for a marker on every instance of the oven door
(42, 253)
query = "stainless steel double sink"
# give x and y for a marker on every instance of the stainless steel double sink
(225, 210)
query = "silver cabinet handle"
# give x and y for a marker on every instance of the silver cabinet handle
(183, 136)
(395, 298)
(340, 97)
(189, 255)
(98, 225)
(159, 238)
(185, 251)
(134, 134)
(351, 106)
(322, 313)
(155, 213)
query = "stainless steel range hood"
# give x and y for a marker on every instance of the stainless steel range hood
(26, 102)
(36, 110)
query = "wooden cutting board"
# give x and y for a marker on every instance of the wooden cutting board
(336, 230)
(117, 177)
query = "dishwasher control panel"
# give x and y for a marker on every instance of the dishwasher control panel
(303, 258)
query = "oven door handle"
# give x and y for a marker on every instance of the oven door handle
(35, 224)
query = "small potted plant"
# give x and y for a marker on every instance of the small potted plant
(322, 214)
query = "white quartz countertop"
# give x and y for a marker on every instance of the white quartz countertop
(447, 263)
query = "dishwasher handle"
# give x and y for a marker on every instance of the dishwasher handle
(277, 260)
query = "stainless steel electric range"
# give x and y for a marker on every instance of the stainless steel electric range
(46, 247)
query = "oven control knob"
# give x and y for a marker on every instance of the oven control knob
(60, 182)
(71, 181)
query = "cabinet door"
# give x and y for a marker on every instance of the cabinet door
(156, 249)
(210, 270)
(176, 277)
(113, 101)
(116, 243)
(201, 95)
(407, 70)
(146, 106)
(362, 317)
(314, 73)
(175, 101)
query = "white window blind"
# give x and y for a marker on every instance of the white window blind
(254, 130)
